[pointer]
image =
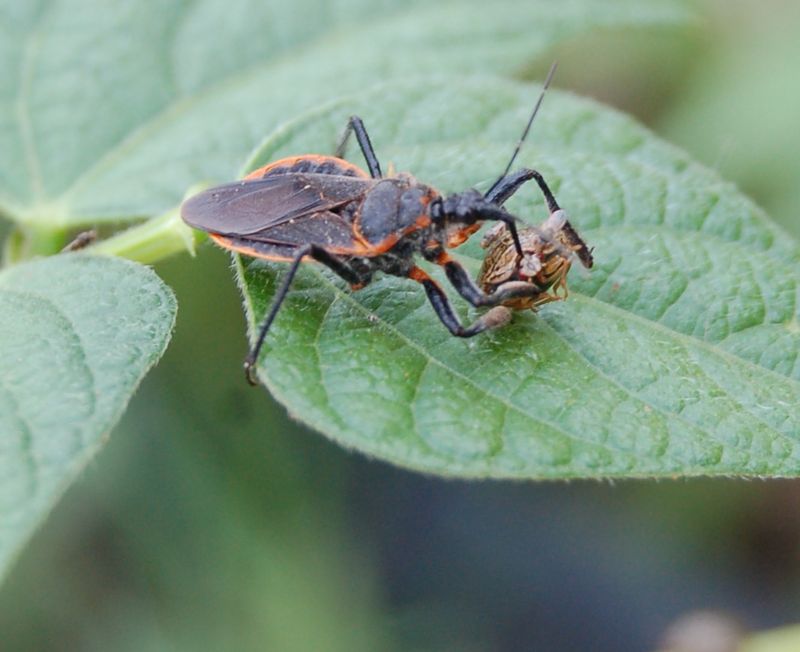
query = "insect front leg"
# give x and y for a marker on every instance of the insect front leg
(504, 188)
(494, 318)
(355, 124)
(319, 254)
(466, 287)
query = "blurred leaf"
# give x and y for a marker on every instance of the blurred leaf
(110, 110)
(739, 113)
(783, 639)
(78, 335)
(677, 354)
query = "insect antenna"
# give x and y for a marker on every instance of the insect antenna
(547, 81)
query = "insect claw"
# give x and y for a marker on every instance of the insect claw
(250, 372)
(497, 317)
(556, 221)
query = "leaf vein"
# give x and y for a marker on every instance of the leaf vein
(416, 346)
(26, 443)
(22, 108)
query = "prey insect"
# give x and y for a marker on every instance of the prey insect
(548, 252)
(357, 223)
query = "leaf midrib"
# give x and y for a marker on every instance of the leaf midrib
(27, 441)
(431, 359)
(590, 300)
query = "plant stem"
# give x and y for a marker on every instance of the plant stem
(151, 241)
(28, 241)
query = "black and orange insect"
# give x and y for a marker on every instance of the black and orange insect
(356, 223)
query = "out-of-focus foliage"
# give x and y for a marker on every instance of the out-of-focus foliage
(739, 112)
(113, 109)
(78, 333)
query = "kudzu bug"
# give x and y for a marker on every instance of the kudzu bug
(356, 223)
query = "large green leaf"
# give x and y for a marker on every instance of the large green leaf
(77, 334)
(110, 110)
(677, 354)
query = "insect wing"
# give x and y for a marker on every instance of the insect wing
(253, 206)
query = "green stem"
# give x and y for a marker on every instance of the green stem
(151, 241)
(28, 241)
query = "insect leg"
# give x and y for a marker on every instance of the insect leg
(465, 286)
(498, 214)
(355, 124)
(502, 190)
(497, 316)
(81, 241)
(317, 253)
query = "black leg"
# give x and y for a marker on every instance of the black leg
(355, 124)
(465, 286)
(497, 316)
(508, 185)
(320, 255)
(576, 243)
(497, 214)
(503, 188)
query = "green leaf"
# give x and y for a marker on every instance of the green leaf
(676, 355)
(77, 334)
(110, 110)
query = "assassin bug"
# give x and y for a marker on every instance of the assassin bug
(325, 209)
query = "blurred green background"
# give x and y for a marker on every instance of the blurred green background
(212, 521)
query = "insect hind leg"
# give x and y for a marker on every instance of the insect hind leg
(355, 124)
(319, 254)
